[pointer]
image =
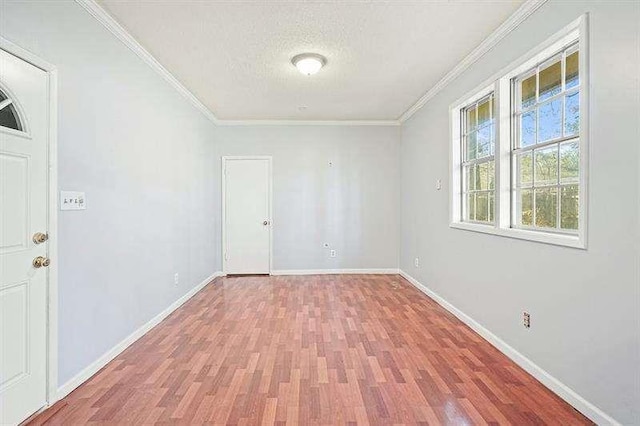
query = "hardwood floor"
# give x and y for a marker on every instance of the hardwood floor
(341, 349)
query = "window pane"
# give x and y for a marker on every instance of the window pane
(9, 118)
(492, 206)
(528, 91)
(470, 178)
(472, 146)
(492, 174)
(485, 176)
(546, 207)
(571, 67)
(546, 166)
(569, 201)
(550, 81)
(550, 123)
(525, 207)
(528, 128)
(471, 119)
(485, 141)
(471, 207)
(572, 114)
(524, 169)
(569, 162)
(484, 113)
(482, 207)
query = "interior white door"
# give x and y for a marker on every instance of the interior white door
(23, 213)
(247, 207)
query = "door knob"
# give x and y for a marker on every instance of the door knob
(41, 261)
(265, 223)
(40, 238)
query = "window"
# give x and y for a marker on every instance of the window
(8, 114)
(546, 152)
(519, 147)
(478, 162)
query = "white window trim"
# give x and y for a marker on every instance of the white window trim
(456, 153)
(500, 84)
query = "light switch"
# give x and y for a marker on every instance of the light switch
(72, 200)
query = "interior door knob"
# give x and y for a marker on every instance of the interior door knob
(41, 261)
(39, 238)
(265, 223)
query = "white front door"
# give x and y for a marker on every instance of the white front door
(247, 215)
(23, 213)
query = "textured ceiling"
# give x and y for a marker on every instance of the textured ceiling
(382, 56)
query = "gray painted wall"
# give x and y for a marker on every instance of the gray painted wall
(143, 156)
(150, 165)
(585, 305)
(353, 204)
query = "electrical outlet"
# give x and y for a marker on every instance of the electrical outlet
(332, 253)
(526, 319)
(439, 184)
(176, 278)
(416, 262)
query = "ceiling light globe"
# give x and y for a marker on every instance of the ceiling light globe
(308, 63)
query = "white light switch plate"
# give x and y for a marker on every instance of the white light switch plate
(72, 200)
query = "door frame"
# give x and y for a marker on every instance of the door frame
(224, 208)
(52, 214)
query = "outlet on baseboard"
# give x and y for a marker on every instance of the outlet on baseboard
(416, 262)
(526, 319)
(332, 253)
(176, 278)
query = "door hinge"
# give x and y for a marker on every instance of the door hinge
(226, 256)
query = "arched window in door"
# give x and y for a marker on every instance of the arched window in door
(8, 114)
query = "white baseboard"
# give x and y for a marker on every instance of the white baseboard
(389, 271)
(94, 367)
(555, 385)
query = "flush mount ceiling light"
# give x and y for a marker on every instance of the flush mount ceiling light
(308, 63)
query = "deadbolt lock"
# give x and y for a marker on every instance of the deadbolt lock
(40, 238)
(41, 261)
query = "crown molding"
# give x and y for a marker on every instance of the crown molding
(489, 43)
(102, 16)
(121, 33)
(308, 123)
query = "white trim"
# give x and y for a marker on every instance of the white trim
(556, 239)
(52, 212)
(489, 43)
(108, 356)
(123, 35)
(500, 81)
(309, 123)
(382, 271)
(52, 380)
(555, 385)
(224, 207)
(455, 152)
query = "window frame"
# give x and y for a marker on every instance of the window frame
(464, 161)
(501, 85)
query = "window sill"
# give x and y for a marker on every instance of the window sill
(573, 241)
